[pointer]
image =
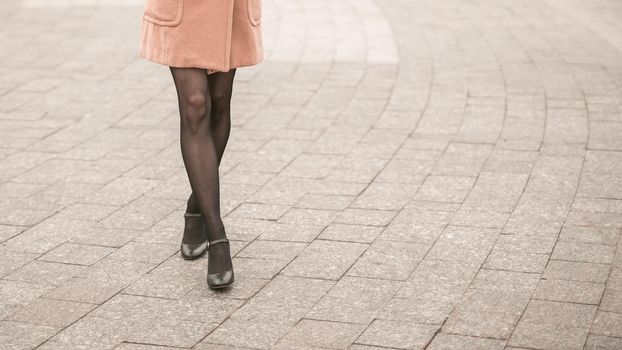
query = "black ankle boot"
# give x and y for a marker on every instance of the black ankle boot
(221, 279)
(190, 251)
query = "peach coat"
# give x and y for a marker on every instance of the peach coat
(217, 35)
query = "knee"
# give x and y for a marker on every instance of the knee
(221, 105)
(195, 111)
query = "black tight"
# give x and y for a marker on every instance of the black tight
(204, 106)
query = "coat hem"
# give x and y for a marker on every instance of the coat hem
(189, 64)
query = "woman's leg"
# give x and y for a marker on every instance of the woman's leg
(200, 156)
(221, 89)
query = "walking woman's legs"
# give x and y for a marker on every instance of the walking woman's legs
(200, 157)
(221, 89)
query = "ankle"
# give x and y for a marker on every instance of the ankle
(192, 206)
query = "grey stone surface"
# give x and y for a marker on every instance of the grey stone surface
(397, 334)
(491, 313)
(325, 259)
(570, 291)
(444, 341)
(322, 334)
(551, 325)
(354, 299)
(400, 174)
(44, 312)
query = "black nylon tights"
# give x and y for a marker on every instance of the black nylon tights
(204, 105)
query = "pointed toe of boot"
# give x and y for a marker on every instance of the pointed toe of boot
(193, 251)
(220, 280)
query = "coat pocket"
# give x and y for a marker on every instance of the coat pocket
(254, 11)
(164, 12)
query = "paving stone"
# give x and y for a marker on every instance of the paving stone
(18, 335)
(400, 170)
(588, 218)
(612, 300)
(595, 342)
(419, 310)
(465, 244)
(291, 232)
(133, 307)
(128, 218)
(121, 191)
(8, 231)
(438, 279)
(257, 268)
(350, 233)
(11, 261)
(100, 332)
(385, 196)
(474, 218)
(240, 177)
(324, 334)
(516, 261)
(90, 212)
(103, 236)
(570, 291)
(462, 159)
(309, 217)
(240, 228)
(325, 259)
(368, 217)
(426, 233)
(599, 185)
(538, 214)
(583, 252)
(15, 294)
(259, 211)
(608, 324)
(144, 252)
(528, 244)
(397, 334)
(552, 325)
(79, 254)
(245, 288)
(445, 189)
(419, 212)
(285, 299)
(487, 313)
(46, 235)
(603, 205)
(246, 334)
(587, 234)
(108, 269)
(576, 271)
(388, 259)
(311, 165)
(51, 273)
(353, 299)
(276, 250)
(324, 201)
(615, 278)
(134, 346)
(86, 290)
(522, 282)
(357, 169)
(444, 341)
(173, 278)
(44, 312)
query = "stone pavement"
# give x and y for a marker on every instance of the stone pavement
(402, 174)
